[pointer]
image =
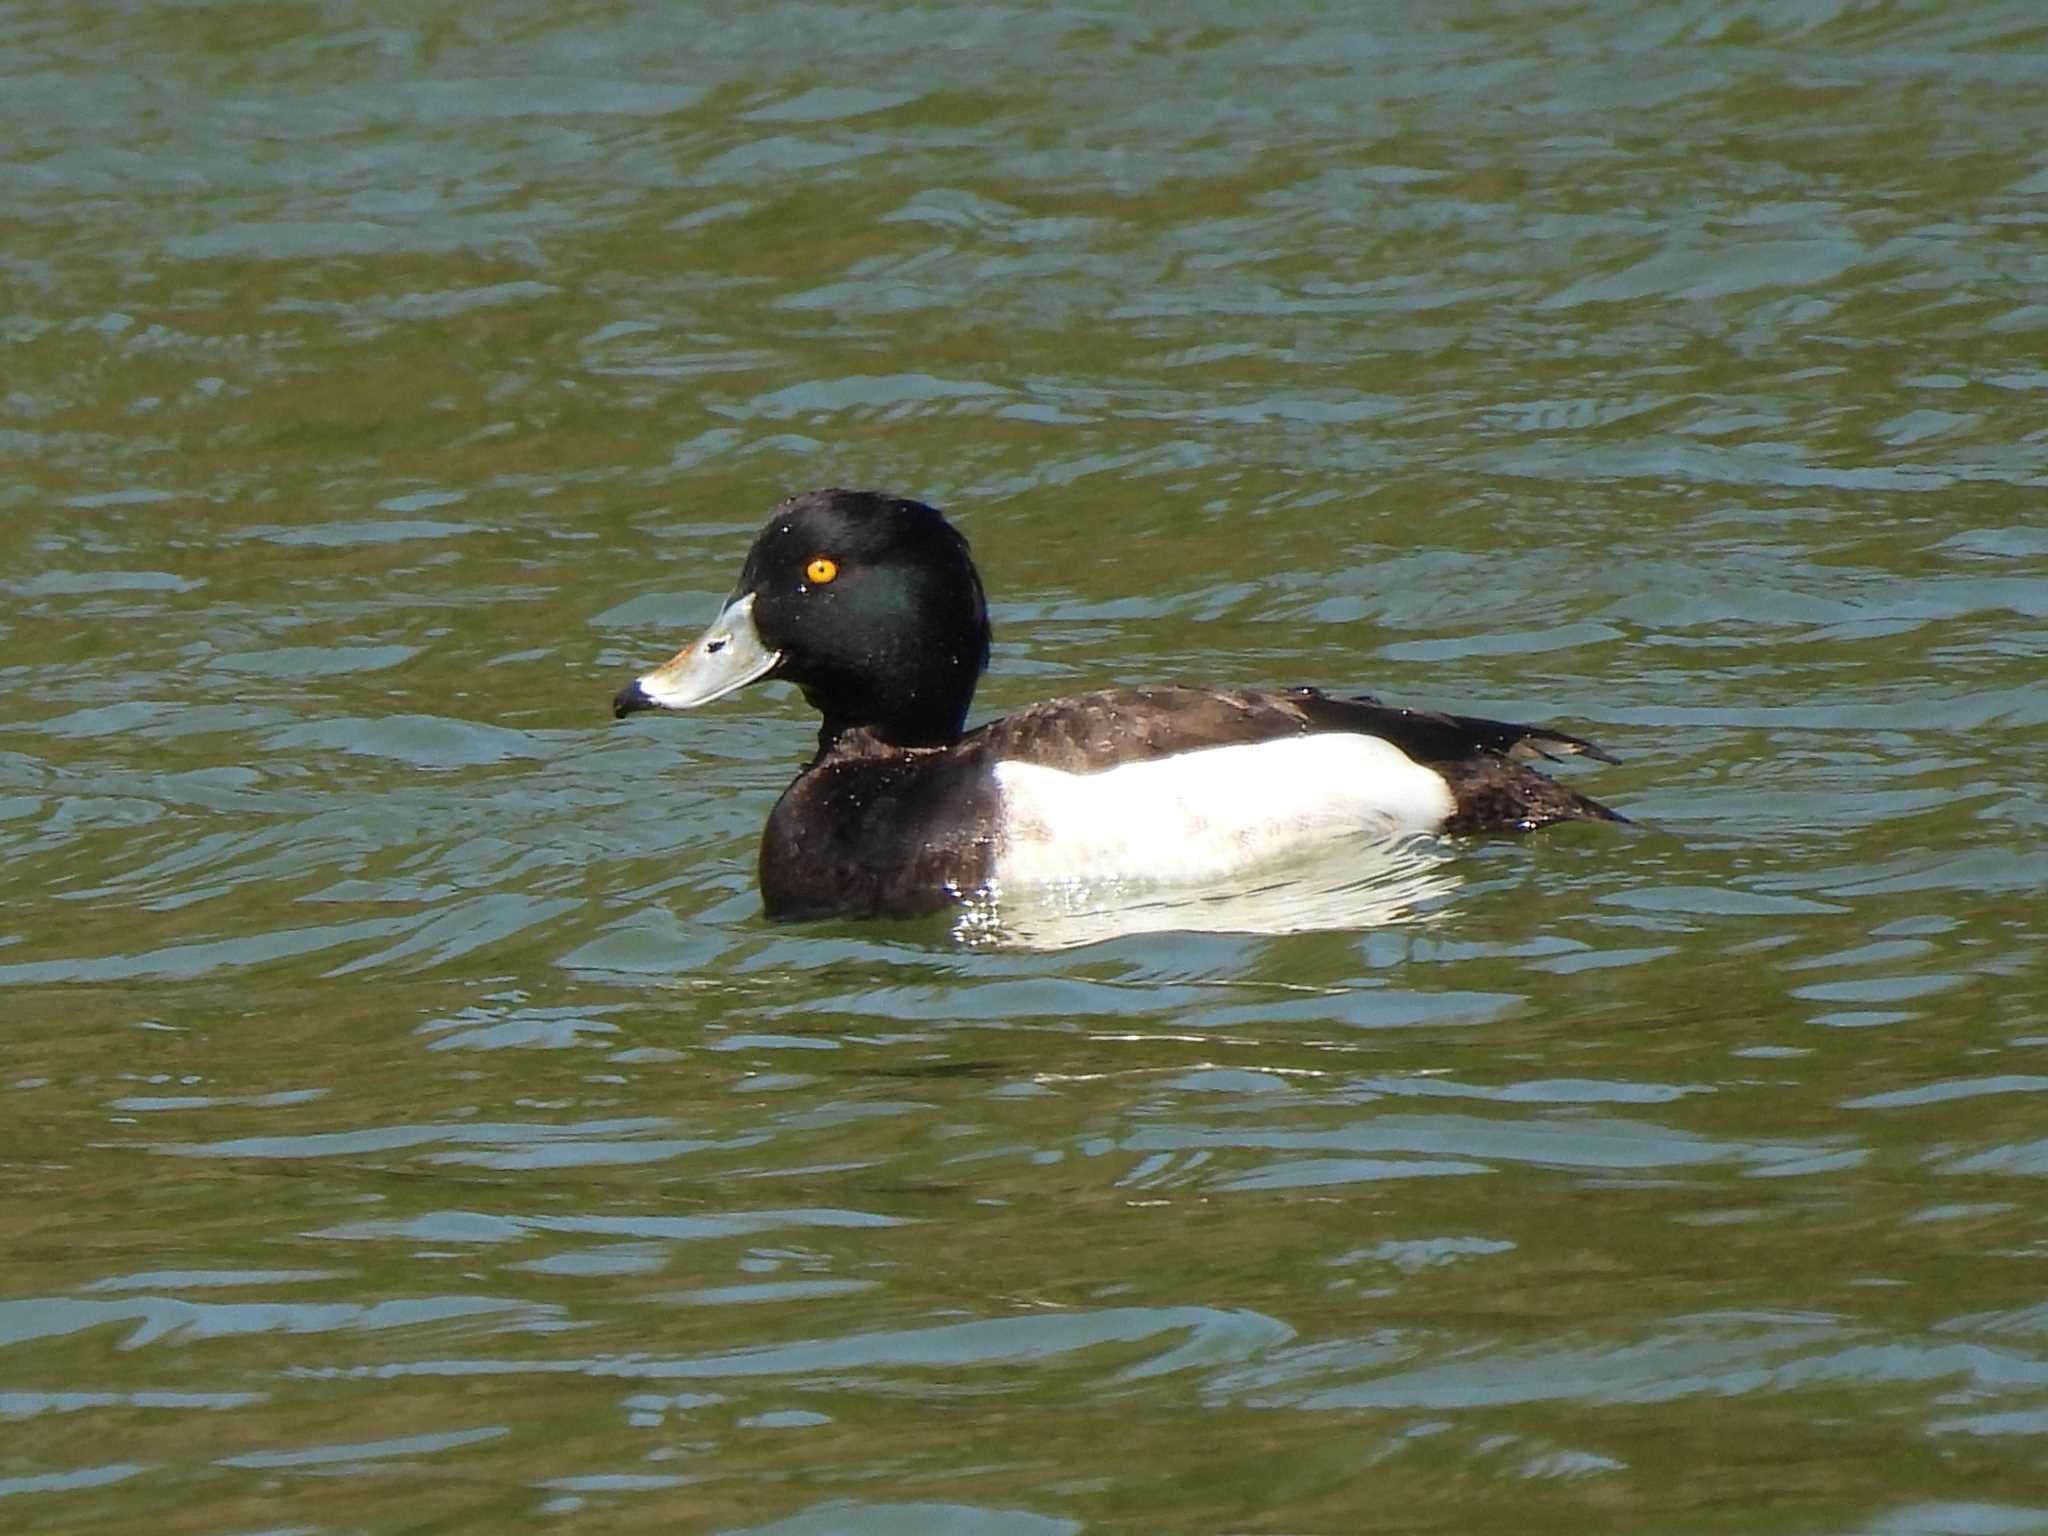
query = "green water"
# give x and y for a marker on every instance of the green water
(407, 1121)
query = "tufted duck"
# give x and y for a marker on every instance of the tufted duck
(870, 604)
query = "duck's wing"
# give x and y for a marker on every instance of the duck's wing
(1482, 761)
(1090, 732)
(1093, 732)
(1430, 736)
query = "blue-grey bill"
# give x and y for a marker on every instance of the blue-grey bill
(726, 656)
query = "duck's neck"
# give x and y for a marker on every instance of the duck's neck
(915, 722)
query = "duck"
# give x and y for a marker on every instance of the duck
(871, 605)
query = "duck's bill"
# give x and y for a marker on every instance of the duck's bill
(728, 655)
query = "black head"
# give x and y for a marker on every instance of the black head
(867, 602)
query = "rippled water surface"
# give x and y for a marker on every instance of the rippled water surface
(409, 1121)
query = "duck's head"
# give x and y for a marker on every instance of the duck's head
(869, 603)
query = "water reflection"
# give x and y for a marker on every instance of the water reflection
(1366, 884)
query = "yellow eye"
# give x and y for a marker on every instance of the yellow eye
(821, 571)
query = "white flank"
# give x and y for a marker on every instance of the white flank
(1200, 816)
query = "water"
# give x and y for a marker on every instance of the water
(412, 1124)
